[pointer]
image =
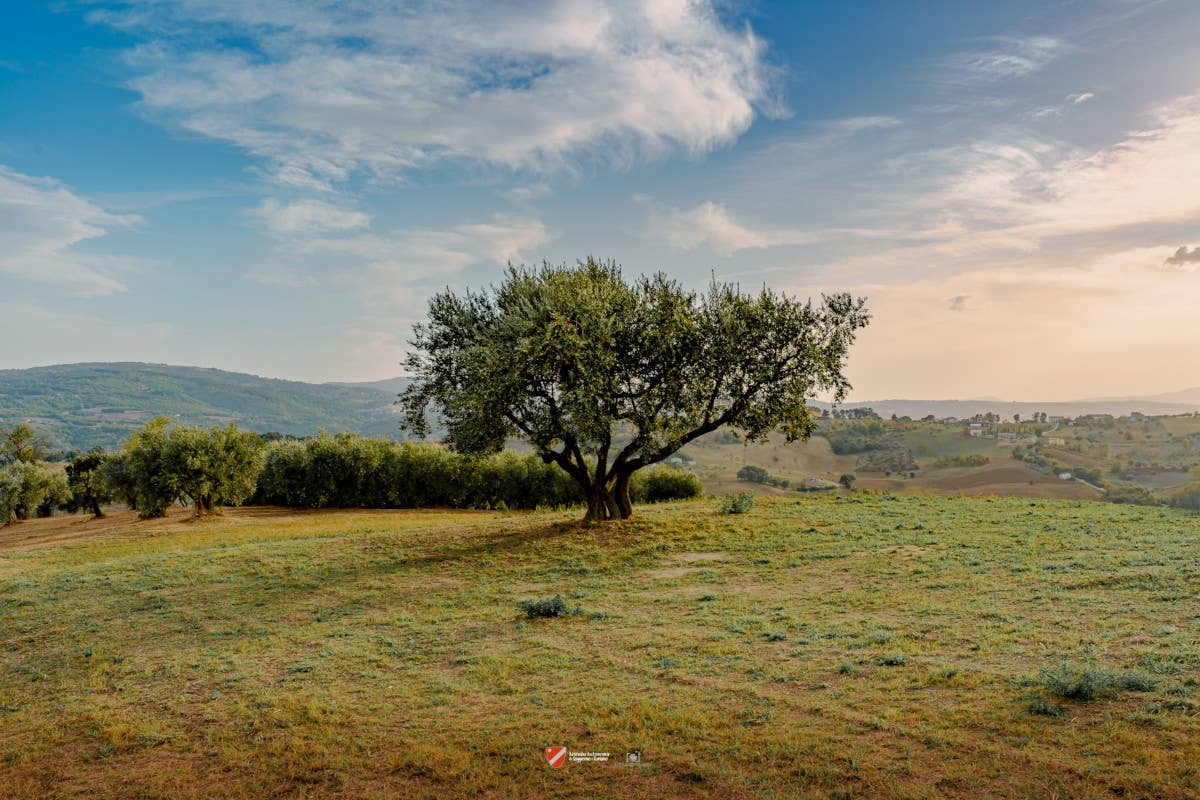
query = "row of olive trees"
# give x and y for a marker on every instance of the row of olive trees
(157, 467)
(348, 471)
(162, 464)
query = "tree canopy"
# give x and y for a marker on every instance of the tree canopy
(160, 464)
(603, 376)
(21, 444)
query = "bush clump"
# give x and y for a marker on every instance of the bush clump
(738, 503)
(962, 460)
(661, 484)
(1131, 495)
(1188, 497)
(1090, 682)
(544, 607)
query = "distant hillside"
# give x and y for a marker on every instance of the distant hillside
(88, 405)
(1006, 408)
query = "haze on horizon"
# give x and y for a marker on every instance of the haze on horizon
(278, 187)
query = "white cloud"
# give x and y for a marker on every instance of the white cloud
(325, 91)
(1016, 194)
(42, 221)
(711, 224)
(1078, 99)
(307, 216)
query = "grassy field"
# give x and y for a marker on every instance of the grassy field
(836, 646)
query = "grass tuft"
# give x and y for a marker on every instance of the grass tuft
(544, 607)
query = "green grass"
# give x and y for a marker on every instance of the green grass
(861, 645)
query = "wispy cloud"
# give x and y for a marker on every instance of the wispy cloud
(42, 222)
(307, 216)
(323, 91)
(710, 224)
(396, 270)
(1003, 59)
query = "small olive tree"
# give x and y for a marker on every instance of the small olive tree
(21, 444)
(31, 489)
(89, 489)
(604, 377)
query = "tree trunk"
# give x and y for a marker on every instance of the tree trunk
(597, 510)
(610, 505)
(621, 495)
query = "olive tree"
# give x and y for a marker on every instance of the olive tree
(212, 467)
(85, 477)
(208, 467)
(21, 444)
(29, 489)
(604, 377)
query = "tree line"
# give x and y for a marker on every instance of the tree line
(205, 469)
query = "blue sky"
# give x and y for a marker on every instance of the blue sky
(277, 187)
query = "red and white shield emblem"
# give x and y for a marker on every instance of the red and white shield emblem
(557, 756)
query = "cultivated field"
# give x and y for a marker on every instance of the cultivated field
(836, 646)
(717, 464)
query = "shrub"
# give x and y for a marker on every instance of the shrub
(1136, 682)
(894, 660)
(659, 484)
(1131, 495)
(545, 607)
(1042, 707)
(738, 503)
(1090, 681)
(1076, 683)
(1188, 497)
(847, 480)
(753, 474)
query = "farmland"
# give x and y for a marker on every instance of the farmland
(818, 646)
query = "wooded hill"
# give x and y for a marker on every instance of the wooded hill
(79, 406)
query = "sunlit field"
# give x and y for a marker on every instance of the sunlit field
(838, 646)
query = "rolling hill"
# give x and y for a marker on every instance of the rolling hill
(80, 406)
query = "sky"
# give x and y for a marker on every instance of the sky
(279, 187)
